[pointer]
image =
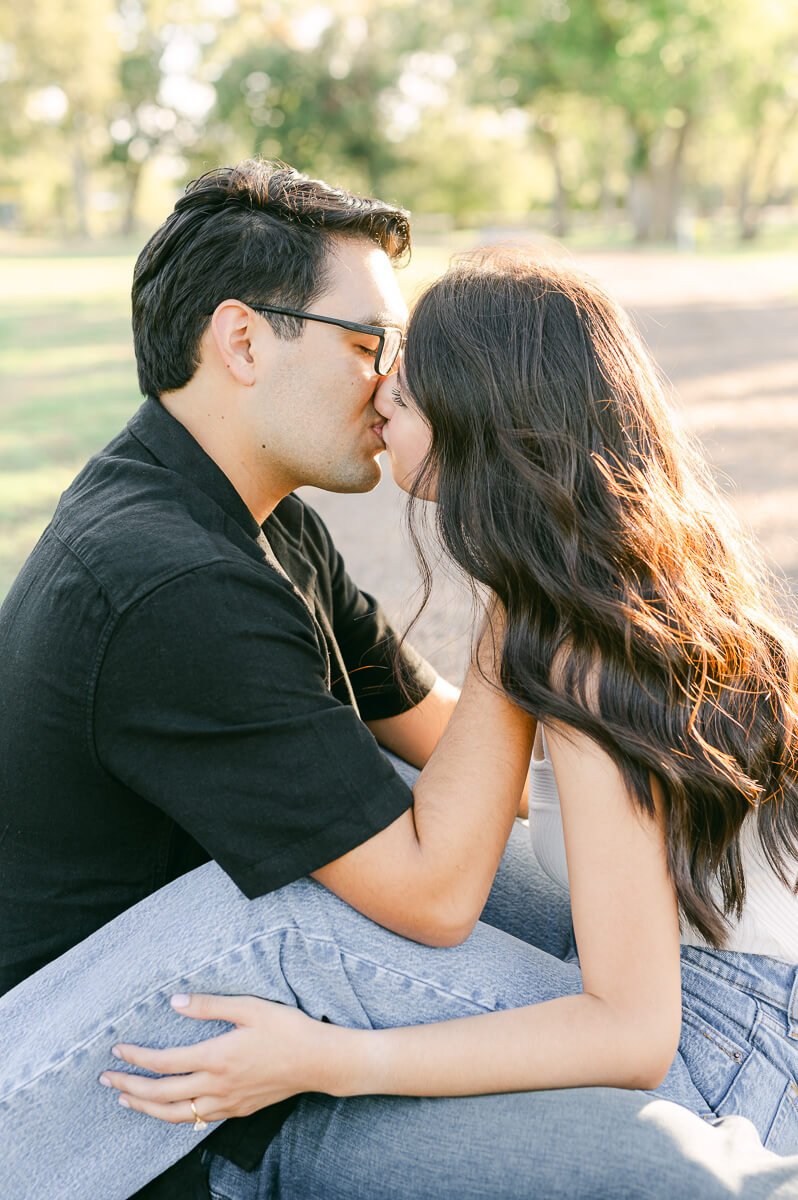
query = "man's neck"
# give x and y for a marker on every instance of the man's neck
(213, 427)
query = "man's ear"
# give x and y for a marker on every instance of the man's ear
(232, 329)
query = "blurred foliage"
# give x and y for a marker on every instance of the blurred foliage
(646, 112)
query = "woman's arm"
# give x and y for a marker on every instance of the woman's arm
(622, 1031)
(428, 875)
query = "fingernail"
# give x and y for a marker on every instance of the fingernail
(116, 1052)
(105, 1081)
(123, 1100)
(180, 1000)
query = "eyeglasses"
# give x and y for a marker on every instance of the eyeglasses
(390, 337)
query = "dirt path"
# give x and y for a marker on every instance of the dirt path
(725, 332)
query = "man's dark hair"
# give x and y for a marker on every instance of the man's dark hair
(260, 232)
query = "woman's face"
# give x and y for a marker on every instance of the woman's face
(406, 434)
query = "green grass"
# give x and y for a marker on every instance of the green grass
(66, 359)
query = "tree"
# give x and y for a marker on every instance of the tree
(65, 59)
(763, 85)
(322, 106)
(657, 62)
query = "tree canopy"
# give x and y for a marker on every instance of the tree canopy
(486, 109)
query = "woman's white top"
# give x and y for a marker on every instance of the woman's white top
(769, 923)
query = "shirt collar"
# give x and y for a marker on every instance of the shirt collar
(173, 446)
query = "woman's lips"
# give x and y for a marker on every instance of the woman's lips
(378, 429)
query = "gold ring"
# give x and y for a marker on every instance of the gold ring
(199, 1124)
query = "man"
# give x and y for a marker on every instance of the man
(184, 648)
(187, 673)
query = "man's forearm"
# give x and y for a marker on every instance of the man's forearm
(413, 735)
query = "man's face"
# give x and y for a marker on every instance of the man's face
(311, 412)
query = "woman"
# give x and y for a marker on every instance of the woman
(634, 631)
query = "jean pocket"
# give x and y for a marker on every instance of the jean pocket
(783, 1135)
(765, 1095)
(782, 1052)
(747, 1080)
(771, 1039)
(713, 1057)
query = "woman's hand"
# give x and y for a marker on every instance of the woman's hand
(274, 1052)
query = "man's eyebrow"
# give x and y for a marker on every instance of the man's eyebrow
(382, 319)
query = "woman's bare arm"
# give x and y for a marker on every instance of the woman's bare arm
(623, 1030)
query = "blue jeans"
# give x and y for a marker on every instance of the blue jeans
(64, 1135)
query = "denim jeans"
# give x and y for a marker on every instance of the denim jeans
(739, 1039)
(64, 1135)
(575, 1143)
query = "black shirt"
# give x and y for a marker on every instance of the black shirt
(179, 684)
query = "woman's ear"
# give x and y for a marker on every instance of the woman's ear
(233, 329)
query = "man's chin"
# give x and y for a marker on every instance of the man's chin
(364, 479)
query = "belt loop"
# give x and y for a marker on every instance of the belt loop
(792, 1009)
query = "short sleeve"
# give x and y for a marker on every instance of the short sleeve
(211, 703)
(384, 684)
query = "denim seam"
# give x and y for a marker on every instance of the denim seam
(54, 1066)
(733, 983)
(791, 1095)
(777, 1060)
(735, 1055)
(137, 1003)
(446, 991)
(772, 1022)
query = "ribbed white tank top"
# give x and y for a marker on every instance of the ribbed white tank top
(769, 924)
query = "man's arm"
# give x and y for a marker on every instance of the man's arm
(413, 735)
(212, 704)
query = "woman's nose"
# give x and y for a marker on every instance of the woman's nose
(383, 397)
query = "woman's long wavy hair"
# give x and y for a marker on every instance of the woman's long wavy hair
(636, 610)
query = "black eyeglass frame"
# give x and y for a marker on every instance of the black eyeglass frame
(377, 331)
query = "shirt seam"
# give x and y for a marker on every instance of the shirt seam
(107, 629)
(89, 571)
(156, 582)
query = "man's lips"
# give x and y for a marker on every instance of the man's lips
(378, 429)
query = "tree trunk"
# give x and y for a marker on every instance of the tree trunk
(133, 173)
(641, 187)
(668, 189)
(608, 210)
(559, 204)
(747, 214)
(80, 178)
(641, 204)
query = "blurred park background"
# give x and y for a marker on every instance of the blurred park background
(654, 141)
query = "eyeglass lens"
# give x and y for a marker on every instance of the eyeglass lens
(391, 346)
